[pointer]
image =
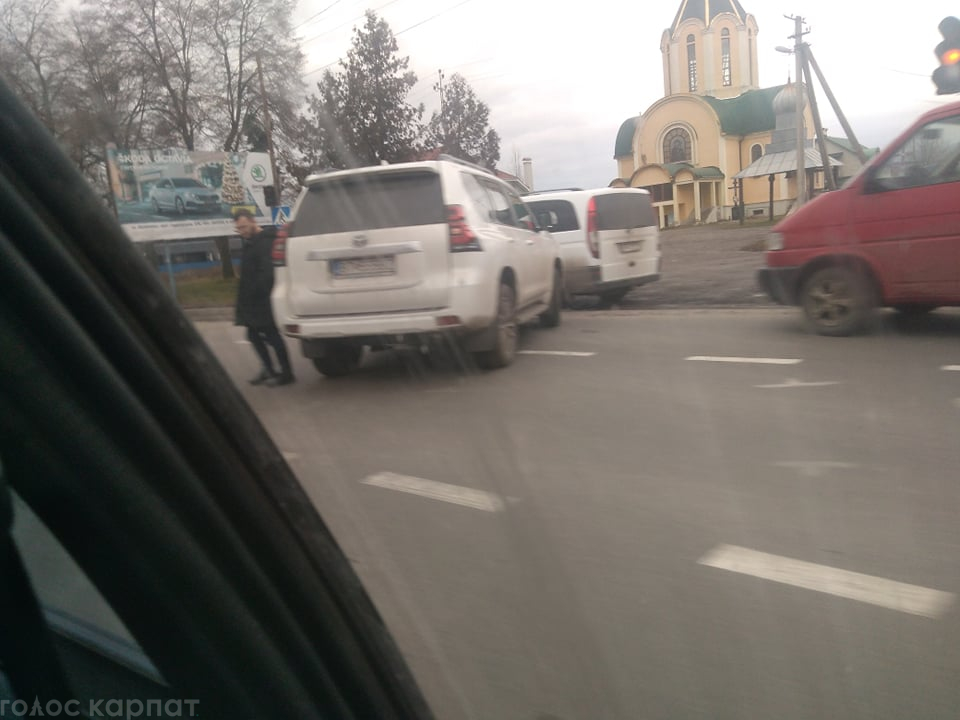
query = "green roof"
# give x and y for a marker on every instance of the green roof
(751, 112)
(700, 173)
(848, 146)
(624, 144)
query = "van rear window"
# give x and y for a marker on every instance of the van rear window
(621, 211)
(558, 215)
(370, 202)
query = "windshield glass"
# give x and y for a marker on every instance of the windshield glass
(684, 453)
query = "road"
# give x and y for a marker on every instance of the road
(689, 514)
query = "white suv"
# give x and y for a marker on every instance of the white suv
(388, 255)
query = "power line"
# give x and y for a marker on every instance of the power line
(349, 22)
(314, 17)
(432, 17)
(407, 29)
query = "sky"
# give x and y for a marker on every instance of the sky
(560, 78)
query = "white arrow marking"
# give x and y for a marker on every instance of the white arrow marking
(746, 360)
(794, 383)
(556, 353)
(890, 594)
(951, 368)
(815, 468)
(456, 494)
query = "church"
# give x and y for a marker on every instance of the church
(703, 143)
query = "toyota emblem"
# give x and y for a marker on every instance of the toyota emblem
(360, 241)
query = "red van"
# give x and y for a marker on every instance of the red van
(889, 238)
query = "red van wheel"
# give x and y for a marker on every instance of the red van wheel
(837, 301)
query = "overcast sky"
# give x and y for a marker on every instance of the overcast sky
(561, 78)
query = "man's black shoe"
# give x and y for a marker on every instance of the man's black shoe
(263, 377)
(283, 379)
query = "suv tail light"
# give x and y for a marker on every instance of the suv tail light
(279, 251)
(462, 238)
(593, 237)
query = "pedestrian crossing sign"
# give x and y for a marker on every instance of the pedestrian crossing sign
(281, 215)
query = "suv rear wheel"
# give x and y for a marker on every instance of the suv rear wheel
(837, 301)
(551, 316)
(505, 332)
(338, 359)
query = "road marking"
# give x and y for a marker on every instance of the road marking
(556, 353)
(747, 360)
(951, 368)
(241, 342)
(890, 594)
(456, 494)
(288, 456)
(815, 468)
(793, 383)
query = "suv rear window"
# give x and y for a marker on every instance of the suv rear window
(621, 211)
(370, 202)
(557, 215)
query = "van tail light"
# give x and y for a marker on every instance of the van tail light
(593, 236)
(279, 251)
(462, 237)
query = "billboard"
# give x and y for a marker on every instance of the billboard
(174, 194)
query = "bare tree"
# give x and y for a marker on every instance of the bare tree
(32, 55)
(241, 32)
(167, 35)
(109, 93)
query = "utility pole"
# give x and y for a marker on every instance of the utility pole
(268, 128)
(797, 37)
(836, 108)
(443, 117)
(829, 181)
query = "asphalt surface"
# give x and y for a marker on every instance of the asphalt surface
(593, 552)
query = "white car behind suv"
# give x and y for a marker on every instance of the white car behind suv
(388, 255)
(609, 239)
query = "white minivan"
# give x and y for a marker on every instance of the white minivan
(609, 238)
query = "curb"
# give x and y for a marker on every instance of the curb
(210, 314)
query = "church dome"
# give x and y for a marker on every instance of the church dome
(786, 100)
(707, 10)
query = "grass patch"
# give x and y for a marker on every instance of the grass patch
(204, 289)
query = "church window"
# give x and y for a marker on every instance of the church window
(756, 152)
(677, 146)
(692, 63)
(725, 57)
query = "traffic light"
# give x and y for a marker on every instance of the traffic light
(270, 195)
(947, 76)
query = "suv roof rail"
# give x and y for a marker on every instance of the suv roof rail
(460, 161)
(540, 192)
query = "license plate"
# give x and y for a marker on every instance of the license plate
(631, 247)
(364, 267)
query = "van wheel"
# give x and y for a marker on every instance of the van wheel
(837, 301)
(338, 359)
(551, 316)
(505, 332)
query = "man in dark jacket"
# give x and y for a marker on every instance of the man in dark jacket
(253, 299)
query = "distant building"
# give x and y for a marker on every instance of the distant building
(714, 122)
